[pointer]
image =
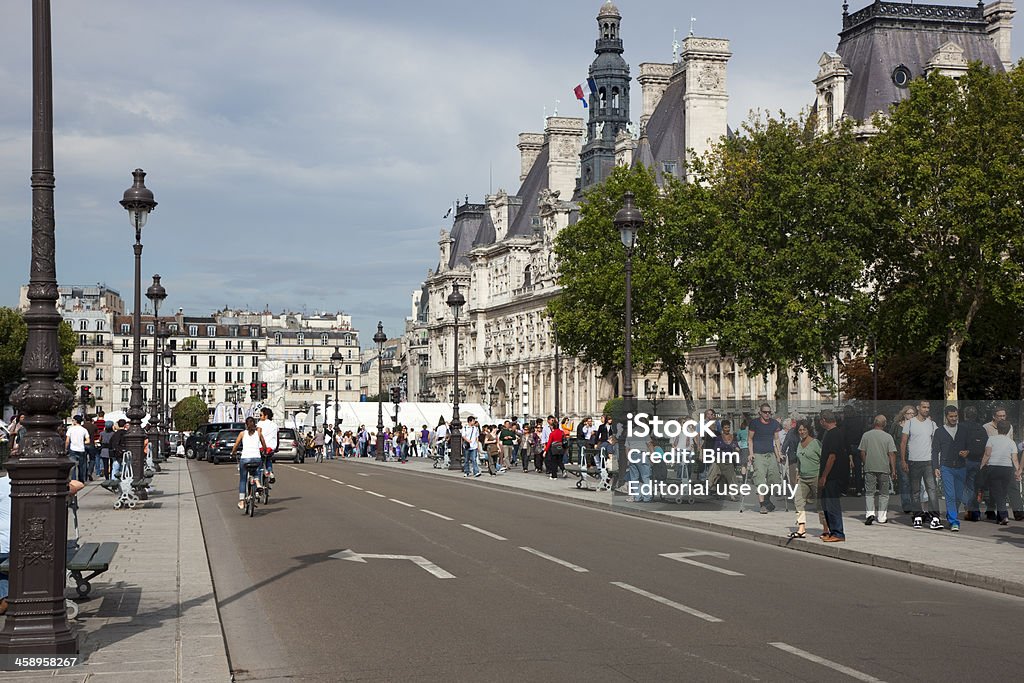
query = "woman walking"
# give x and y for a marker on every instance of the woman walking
(808, 455)
(906, 414)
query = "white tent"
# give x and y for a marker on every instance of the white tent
(412, 415)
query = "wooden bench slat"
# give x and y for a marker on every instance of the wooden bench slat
(81, 559)
(103, 556)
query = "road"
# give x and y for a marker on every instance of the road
(548, 590)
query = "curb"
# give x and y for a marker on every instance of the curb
(946, 574)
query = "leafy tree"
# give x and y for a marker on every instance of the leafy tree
(780, 278)
(950, 184)
(14, 337)
(590, 312)
(189, 413)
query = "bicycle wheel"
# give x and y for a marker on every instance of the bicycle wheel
(250, 499)
(266, 492)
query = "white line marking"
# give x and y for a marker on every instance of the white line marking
(418, 560)
(666, 601)
(353, 487)
(362, 474)
(485, 532)
(852, 673)
(682, 557)
(322, 476)
(401, 502)
(338, 482)
(570, 565)
(376, 494)
(437, 515)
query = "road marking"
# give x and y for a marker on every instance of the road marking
(376, 494)
(485, 532)
(852, 673)
(682, 557)
(354, 487)
(401, 502)
(437, 515)
(418, 560)
(570, 565)
(666, 601)
(361, 474)
(323, 476)
(338, 482)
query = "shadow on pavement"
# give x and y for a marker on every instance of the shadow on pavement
(303, 562)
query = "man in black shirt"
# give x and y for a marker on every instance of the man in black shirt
(834, 477)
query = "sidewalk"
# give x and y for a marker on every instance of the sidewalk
(982, 555)
(153, 616)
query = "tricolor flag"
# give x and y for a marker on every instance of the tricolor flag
(580, 96)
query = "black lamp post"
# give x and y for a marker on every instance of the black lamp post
(167, 360)
(629, 221)
(657, 397)
(156, 293)
(36, 623)
(455, 301)
(379, 339)
(558, 372)
(490, 393)
(138, 202)
(336, 359)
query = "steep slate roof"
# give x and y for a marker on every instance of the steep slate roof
(468, 219)
(485, 234)
(536, 180)
(664, 138)
(884, 35)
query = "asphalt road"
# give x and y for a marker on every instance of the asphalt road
(546, 590)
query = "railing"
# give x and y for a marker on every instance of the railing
(906, 10)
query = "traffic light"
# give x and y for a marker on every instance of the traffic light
(254, 392)
(396, 394)
(263, 391)
(86, 392)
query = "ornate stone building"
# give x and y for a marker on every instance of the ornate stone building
(500, 251)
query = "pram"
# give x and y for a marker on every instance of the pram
(594, 473)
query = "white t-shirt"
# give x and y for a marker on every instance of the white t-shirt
(919, 445)
(5, 514)
(251, 445)
(441, 433)
(1003, 449)
(77, 437)
(472, 436)
(269, 429)
(990, 429)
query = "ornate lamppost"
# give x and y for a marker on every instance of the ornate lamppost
(629, 221)
(455, 301)
(656, 397)
(336, 359)
(36, 622)
(167, 360)
(379, 339)
(156, 293)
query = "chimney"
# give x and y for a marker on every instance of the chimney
(529, 149)
(565, 141)
(654, 79)
(999, 15)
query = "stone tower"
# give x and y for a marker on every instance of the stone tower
(609, 105)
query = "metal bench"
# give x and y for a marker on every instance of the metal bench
(91, 557)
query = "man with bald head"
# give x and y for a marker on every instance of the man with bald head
(878, 456)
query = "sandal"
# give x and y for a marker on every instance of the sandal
(798, 534)
(241, 505)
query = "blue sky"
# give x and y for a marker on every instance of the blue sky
(303, 152)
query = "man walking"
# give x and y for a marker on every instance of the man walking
(949, 460)
(471, 437)
(916, 461)
(764, 453)
(507, 438)
(74, 443)
(976, 437)
(1014, 497)
(834, 477)
(878, 462)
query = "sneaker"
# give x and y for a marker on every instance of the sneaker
(466, 475)
(918, 524)
(882, 519)
(869, 520)
(954, 527)
(477, 474)
(271, 477)
(935, 524)
(764, 510)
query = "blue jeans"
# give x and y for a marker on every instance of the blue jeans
(970, 497)
(470, 460)
(953, 481)
(243, 473)
(905, 497)
(832, 504)
(640, 473)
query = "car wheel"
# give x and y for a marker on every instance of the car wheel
(216, 460)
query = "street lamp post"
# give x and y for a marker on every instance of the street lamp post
(36, 622)
(163, 410)
(327, 398)
(455, 301)
(336, 359)
(167, 359)
(558, 372)
(629, 221)
(138, 201)
(657, 397)
(379, 339)
(156, 293)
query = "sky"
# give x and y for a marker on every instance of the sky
(303, 152)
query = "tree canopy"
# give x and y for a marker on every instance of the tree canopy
(14, 337)
(189, 413)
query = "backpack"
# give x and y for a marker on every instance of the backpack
(558, 448)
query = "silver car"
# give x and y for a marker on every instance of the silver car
(288, 446)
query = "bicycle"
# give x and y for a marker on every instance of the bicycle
(265, 480)
(251, 488)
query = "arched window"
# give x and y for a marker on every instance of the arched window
(829, 109)
(83, 325)
(606, 31)
(99, 325)
(602, 96)
(528, 276)
(615, 98)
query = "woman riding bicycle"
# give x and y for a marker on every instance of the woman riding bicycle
(253, 446)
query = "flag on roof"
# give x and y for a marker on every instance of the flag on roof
(592, 84)
(580, 96)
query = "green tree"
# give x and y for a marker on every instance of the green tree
(950, 182)
(779, 281)
(14, 337)
(589, 314)
(189, 413)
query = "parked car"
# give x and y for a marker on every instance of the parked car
(221, 444)
(289, 447)
(195, 445)
(204, 448)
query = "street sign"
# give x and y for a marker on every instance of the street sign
(418, 560)
(685, 558)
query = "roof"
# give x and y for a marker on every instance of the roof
(608, 10)
(468, 219)
(664, 138)
(885, 35)
(485, 234)
(529, 193)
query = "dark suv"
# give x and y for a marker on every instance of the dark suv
(196, 444)
(221, 445)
